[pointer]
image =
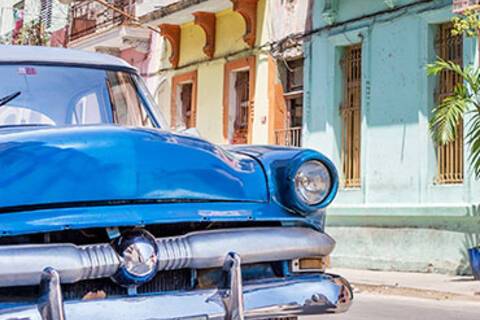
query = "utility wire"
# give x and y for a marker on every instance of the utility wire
(294, 39)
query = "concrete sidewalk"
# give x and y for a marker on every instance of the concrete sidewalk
(436, 286)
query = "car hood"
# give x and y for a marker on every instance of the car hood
(79, 165)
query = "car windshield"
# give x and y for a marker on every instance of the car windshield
(64, 95)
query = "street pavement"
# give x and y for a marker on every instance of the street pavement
(368, 306)
(375, 307)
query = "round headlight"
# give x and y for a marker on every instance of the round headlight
(138, 250)
(312, 182)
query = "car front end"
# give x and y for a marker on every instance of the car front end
(109, 220)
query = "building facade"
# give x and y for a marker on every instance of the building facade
(51, 15)
(221, 74)
(226, 67)
(405, 203)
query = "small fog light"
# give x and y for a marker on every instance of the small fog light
(138, 250)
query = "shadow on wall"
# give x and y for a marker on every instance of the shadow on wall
(471, 240)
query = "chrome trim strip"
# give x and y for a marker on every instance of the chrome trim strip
(23, 264)
(305, 295)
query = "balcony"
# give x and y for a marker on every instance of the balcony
(89, 17)
(291, 137)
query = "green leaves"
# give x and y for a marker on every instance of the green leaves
(448, 115)
(473, 139)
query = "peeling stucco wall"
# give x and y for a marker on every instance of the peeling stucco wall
(398, 162)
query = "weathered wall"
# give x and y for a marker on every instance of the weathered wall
(373, 224)
(32, 11)
(230, 28)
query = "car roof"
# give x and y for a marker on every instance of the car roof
(10, 54)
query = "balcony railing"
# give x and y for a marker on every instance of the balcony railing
(291, 137)
(89, 17)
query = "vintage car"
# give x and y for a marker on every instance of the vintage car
(106, 214)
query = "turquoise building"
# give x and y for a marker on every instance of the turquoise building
(405, 203)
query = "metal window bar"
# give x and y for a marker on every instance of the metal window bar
(450, 167)
(350, 111)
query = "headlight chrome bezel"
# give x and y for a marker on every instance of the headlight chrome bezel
(294, 199)
(304, 176)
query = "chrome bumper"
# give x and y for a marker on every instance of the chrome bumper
(22, 265)
(305, 295)
(233, 300)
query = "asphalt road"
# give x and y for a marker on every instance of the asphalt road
(373, 307)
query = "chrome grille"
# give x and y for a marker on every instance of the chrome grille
(163, 281)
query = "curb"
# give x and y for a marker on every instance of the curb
(379, 289)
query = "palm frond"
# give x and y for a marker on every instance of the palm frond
(448, 114)
(440, 65)
(468, 73)
(473, 139)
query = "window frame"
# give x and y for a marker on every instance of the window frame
(230, 68)
(450, 160)
(351, 118)
(177, 82)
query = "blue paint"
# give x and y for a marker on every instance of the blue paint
(281, 165)
(77, 177)
(474, 256)
(85, 164)
(48, 220)
(107, 176)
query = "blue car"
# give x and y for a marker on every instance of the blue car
(106, 214)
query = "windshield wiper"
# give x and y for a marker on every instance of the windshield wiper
(10, 97)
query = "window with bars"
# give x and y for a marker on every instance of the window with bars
(449, 156)
(46, 12)
(350, 111)
(242, 94)
(290, 134)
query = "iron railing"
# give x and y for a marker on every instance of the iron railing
(291, 137)
(88, 17)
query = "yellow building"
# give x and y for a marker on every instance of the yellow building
(217, 70)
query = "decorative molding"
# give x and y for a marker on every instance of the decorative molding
(172, 33)
(329, 12)
(207, 21)
(248, 10)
